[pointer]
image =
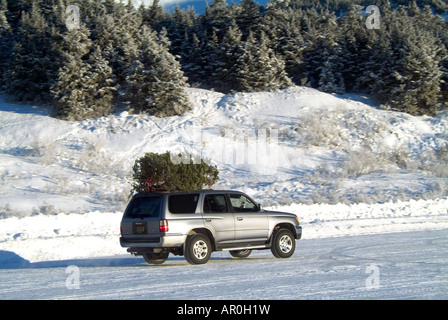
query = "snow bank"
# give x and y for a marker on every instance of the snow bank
(62, 236)
(325, 220)
(96, 234)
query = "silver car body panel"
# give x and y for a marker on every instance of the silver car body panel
(229, 230)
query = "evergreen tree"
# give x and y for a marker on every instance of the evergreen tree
(4, 24)
(179, 27)
(410, 76)
(153, 16)
(157, 172)
(193, 60)
(69, 90)
(116, 34)
(100, 85)
(259, 68)
(210, 58)
(330, 71)
(444, 84)
(228, 53)
(83, 88)
(33, 61)
(16, 8)
(355, 47)
(217, 17)
(417, 90)
(379, 58)
(155, 81)
(6, 42)
(330, 77)
(323, 56)
(249, 17)
(283, 28)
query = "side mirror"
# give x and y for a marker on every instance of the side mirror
(259, 207)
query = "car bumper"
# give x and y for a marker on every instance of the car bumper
(167, 241)
(298, 232)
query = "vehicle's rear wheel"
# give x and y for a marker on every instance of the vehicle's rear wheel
(283, 244)
(155, 258)
(198, 249)
(240, 253)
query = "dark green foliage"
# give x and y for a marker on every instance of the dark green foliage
(145, 57)
(172, 172)
(259, 69)
(155, 82)
(33, 62)
(5, 42)
(83, 71)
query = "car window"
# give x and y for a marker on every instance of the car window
(183, 203)
(215, 203)
(145, 207)
(241, 203)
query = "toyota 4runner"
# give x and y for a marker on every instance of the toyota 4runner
(194, 224)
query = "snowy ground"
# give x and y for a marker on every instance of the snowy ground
(407, 265)
(95, 234)
(352, 173)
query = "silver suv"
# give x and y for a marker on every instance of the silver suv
(194, 224)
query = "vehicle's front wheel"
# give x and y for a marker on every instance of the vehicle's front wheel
(155, 258)
(283, 244)
(198, 249)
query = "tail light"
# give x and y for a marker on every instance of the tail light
(163, 225)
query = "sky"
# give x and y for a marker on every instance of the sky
(163, 2)
(199, 5)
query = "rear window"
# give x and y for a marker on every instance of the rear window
(145, 207)
(183, 203)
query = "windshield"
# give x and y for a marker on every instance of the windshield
(145, 207)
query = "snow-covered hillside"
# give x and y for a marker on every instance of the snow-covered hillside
(329, 149)
(340, 163)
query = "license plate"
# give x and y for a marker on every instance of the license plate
(139, 228)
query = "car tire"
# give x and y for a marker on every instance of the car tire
(155, 258)
(283, 244)
(240, 253)
(198, 249)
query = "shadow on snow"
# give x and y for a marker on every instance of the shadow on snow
(11, 260)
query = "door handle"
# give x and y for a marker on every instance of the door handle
(208, 220)
(239, 218)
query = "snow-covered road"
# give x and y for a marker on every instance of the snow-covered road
(406, 265)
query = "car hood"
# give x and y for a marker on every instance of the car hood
(280, 214)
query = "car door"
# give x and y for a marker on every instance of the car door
(251, 224)
(219, 218)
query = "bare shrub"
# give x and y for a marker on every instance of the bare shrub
(45, 150)
(440, 168)
(95, 158)
(361, 162)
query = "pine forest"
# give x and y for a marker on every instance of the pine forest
(119, 56)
